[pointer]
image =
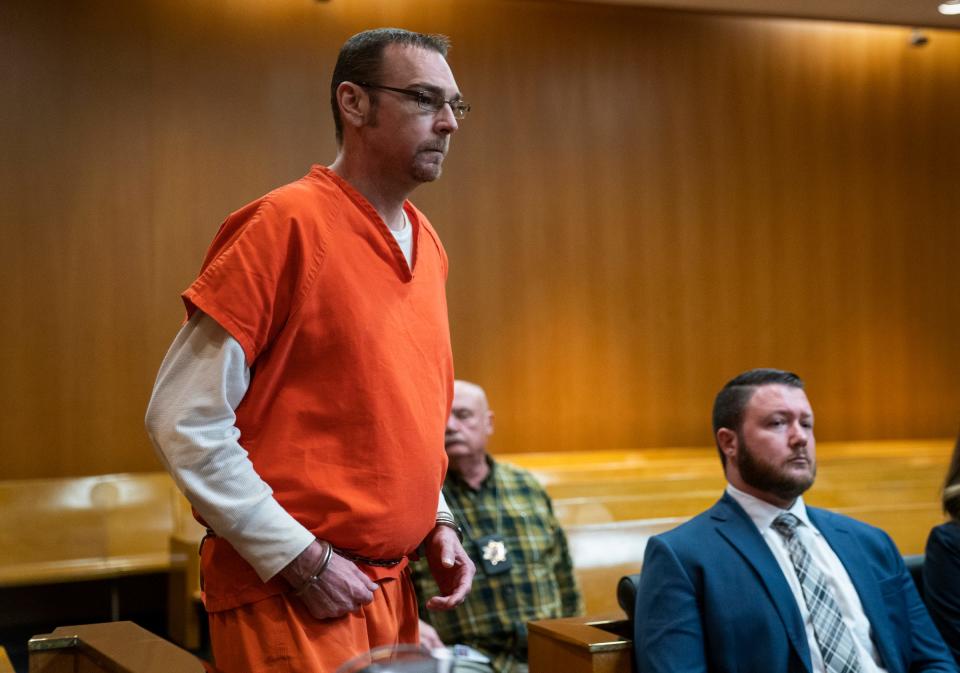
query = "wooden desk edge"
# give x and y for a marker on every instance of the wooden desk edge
(584, 632)
(117, 646)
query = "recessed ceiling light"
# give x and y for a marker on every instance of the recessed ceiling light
(950, 7)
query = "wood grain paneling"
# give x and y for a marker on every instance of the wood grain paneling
(641, 205)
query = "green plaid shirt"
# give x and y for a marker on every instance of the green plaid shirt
(541, 584)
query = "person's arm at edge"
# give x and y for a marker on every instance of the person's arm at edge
(429, 637)
(442, 506)
(941, 568)
(190, 420)
(571, 598)
(929, 653)
(668, 636)
(448, 562)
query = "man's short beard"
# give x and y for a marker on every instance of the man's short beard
(768, 479)
(421, 175)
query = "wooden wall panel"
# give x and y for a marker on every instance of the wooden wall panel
(641, 205)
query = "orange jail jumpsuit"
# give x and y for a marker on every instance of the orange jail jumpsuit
(351, 384)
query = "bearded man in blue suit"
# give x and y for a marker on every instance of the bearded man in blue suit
(760, 583)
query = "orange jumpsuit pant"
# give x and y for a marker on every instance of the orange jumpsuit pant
(278, 634)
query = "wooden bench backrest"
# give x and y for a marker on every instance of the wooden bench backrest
(605, 508)
(54, 530)
(603, 553)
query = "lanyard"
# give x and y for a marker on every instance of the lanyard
(491, 549)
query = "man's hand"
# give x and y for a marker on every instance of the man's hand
(340, 590)
(450, 566)
(429, 637)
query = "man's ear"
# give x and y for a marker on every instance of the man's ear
(489, 423)
(353, 102)
(728, 442)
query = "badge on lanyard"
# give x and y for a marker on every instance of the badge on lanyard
(493, 555)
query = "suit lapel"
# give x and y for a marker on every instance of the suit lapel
(738, 529)
(857, 565)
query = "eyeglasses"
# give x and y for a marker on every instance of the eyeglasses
(431, 101)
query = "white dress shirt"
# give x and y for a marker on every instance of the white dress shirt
(763, 514)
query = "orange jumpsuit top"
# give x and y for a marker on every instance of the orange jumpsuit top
(351, 371)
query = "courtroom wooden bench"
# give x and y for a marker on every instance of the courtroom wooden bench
(80, 529)
(183, 600)
(603, 553)
(885, 457)
(653, 502)
(831, 476)
(69, 529)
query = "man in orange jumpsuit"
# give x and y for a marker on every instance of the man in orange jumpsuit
(302, 406)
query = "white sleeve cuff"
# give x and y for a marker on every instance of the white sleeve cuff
(442, 505)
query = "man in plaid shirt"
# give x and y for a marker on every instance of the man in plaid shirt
(524, 570)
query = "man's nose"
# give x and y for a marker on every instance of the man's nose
(446, 121)
(799, 435)
(451, 423)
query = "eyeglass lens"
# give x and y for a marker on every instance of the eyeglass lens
(433, 102)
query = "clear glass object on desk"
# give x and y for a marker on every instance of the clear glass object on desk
(417, 659)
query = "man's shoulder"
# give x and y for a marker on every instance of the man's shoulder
(696, 526)
(873, 541)
(298, 211)
(314, 192)
(947, 534)
(826, 518)
(698, 536)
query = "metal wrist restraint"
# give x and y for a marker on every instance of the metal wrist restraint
(446, 519)
(318, 571)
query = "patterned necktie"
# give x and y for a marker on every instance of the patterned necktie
(833, 637)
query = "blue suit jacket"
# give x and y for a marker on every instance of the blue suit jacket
(712, 598)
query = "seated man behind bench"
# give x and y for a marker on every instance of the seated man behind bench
(524, 570)
(760, 583)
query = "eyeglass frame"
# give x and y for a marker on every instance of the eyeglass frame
(458, 106)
